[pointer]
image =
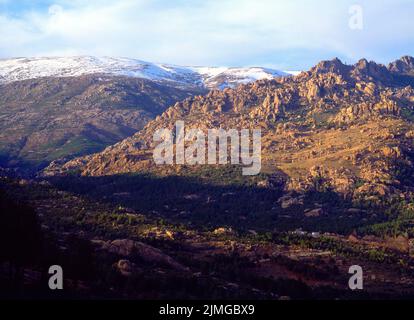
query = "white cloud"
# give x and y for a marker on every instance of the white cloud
(238, 32)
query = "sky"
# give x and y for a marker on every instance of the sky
(281, 34)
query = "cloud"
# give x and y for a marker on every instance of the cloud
(285, 34)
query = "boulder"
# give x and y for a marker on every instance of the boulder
(289, 201)
(130, 248)
(223, 231)
(126, 267)
(399, 243)
(314, 213)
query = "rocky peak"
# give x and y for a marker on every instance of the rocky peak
(369, 69)
(331, 66)
(403, 65)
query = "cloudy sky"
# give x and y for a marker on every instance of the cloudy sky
(288, 34)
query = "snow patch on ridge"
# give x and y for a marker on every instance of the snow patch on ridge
(211, 77)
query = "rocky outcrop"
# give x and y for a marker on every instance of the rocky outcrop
(126, 267)
(405, 65)
(129, 249)
(331, 66)
(336, 127)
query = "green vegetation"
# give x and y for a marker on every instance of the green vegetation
(337, 248)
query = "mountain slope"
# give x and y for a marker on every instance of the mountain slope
(343, 127)
(405, 65)
(208, 77)
(49, 118)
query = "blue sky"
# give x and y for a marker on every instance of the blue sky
(288, 34)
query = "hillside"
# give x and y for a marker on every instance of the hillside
(49, 118)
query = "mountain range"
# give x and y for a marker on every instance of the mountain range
(178, 76)
(336, 188)
(54, 108)
(348, 125)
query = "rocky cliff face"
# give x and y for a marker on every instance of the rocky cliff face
(336, 126)
(404, 65)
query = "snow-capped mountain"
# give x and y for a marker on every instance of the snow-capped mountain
(222, 77)
(209, 77)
